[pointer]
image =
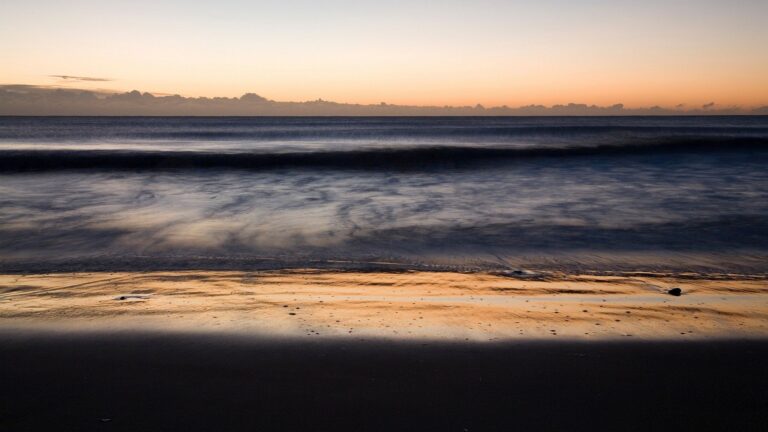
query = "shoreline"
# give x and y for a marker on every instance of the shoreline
(574, 262)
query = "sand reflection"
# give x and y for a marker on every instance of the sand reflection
(452, 306)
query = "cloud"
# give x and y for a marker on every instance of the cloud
(72, 78)
(19, 99)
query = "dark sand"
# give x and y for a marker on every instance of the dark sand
(153, 382)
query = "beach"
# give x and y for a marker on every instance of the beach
(462, 216)
(327, 350)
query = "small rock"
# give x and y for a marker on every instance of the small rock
(514, 273)
(132, 297)
(675, 292)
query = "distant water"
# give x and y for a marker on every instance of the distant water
(679, 193)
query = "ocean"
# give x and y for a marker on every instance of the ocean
(459, 193)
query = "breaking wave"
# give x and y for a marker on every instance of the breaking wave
(423, 157)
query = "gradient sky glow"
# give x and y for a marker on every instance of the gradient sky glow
(493, 52)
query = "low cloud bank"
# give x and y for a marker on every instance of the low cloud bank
(40, 100)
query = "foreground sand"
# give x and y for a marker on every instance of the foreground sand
(136, 381)
(404, 305)
(411, 351)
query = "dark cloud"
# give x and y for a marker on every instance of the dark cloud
(79, 78)
(19, 99)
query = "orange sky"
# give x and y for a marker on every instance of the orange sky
(419, 52)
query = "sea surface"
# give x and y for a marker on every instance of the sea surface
(594, 193)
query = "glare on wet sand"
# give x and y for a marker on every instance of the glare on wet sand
(400, 305)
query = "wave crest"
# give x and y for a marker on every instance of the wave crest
(424, 157)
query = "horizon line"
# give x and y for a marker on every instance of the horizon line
(41, 100)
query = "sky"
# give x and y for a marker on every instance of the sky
(415, 52)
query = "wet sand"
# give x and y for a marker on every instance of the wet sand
(329, 351)
(396, 305)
